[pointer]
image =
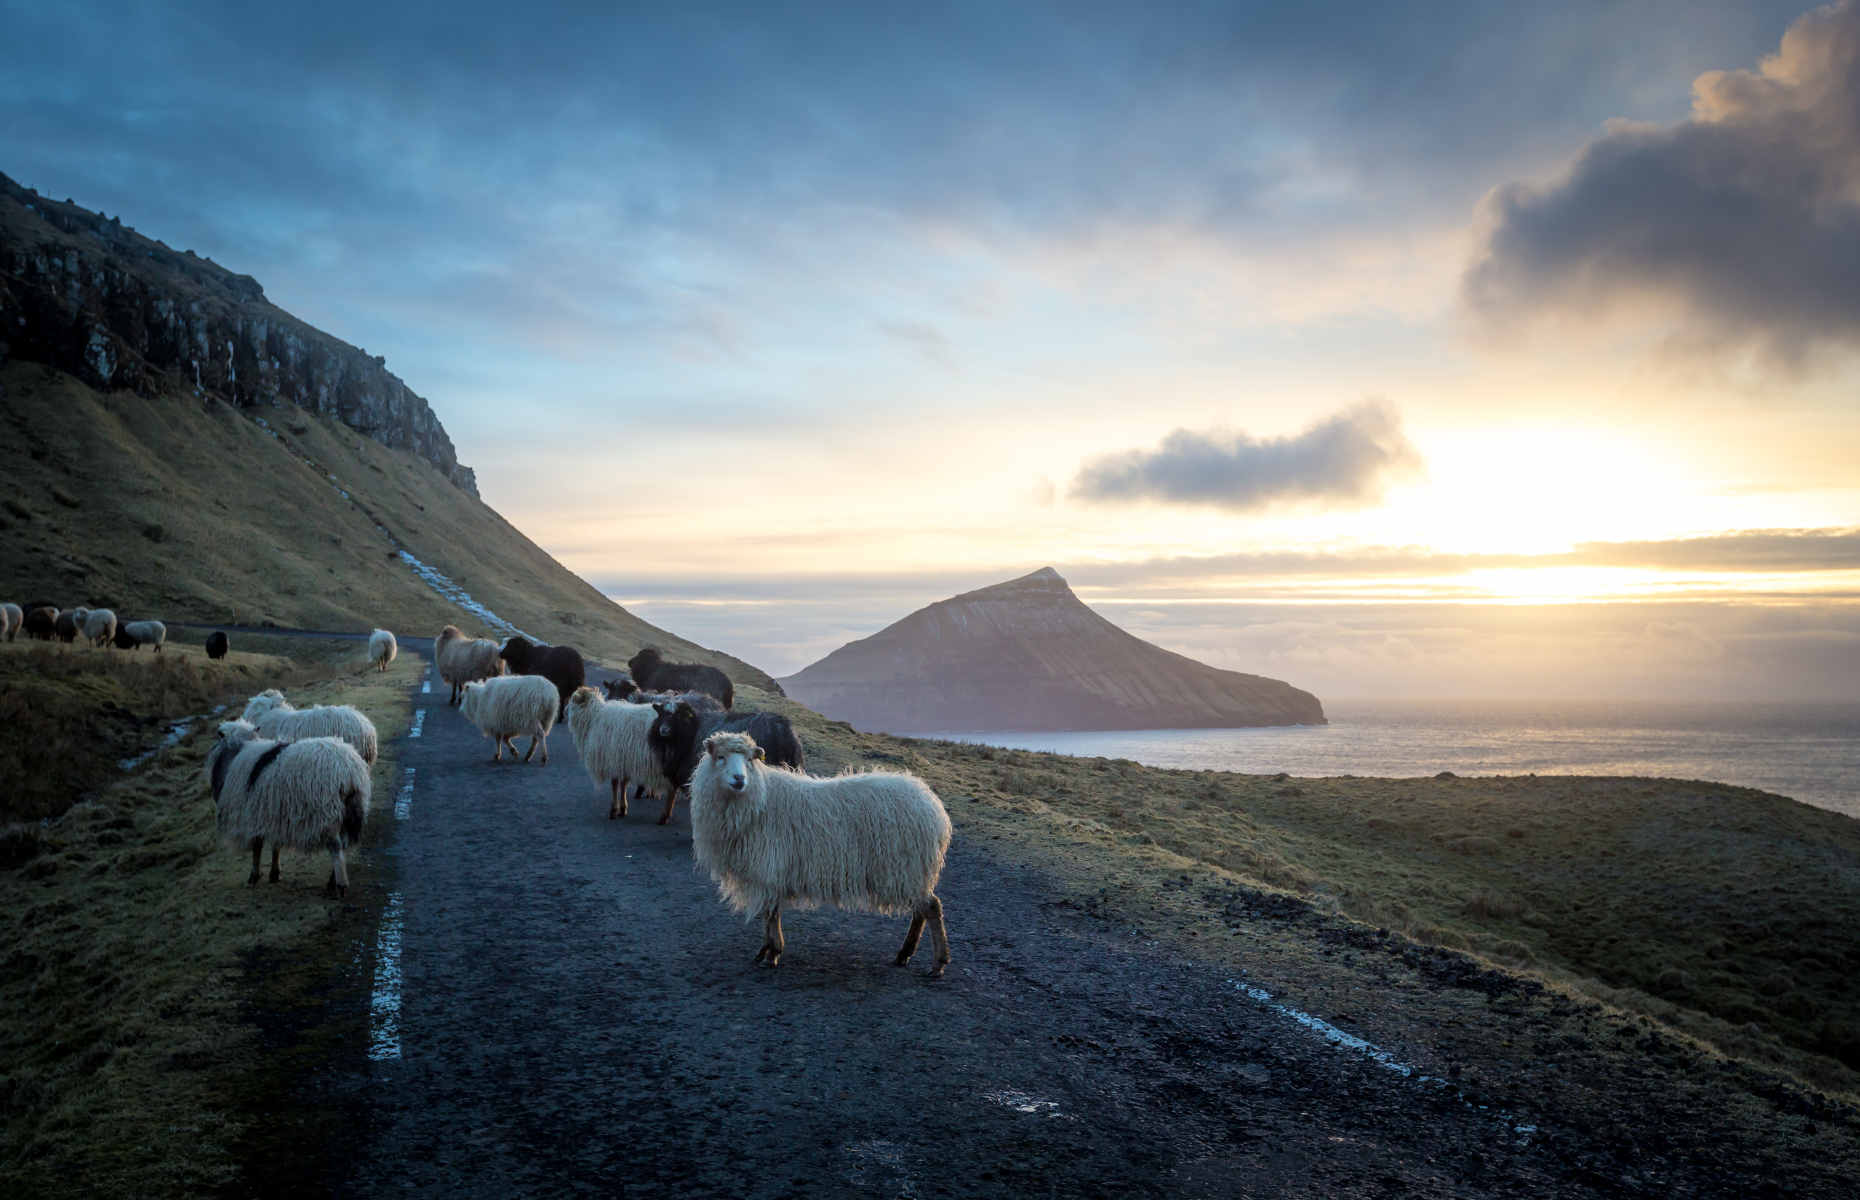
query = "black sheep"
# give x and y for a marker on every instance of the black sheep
(560, 665)
(621, 687)
(66, 627)
(217, 644)
(654, 674)
(123, 640)
(677, 740)
(41, 621)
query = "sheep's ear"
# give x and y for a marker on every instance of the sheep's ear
(760, 753)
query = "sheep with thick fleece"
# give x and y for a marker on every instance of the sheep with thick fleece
(275, 717)
(382, 648)
(509, 707)
(462, 659)
(100, 627)
(12, 616)
(611, 737)
(142, 633)
(872, 841)
(309, 795)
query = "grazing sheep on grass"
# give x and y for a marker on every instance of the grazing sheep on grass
(309, 795)
(274, 717)
(870, 841)
(382, 648)
(622, 687)
(462, 659)
(131, 635)
(68, 626)
(611, 737)
(100, 627)
(41, 621)
(217, 644)
(560, 665)
(679, 731)
(653, 673)
(511, 706)
(12, 616)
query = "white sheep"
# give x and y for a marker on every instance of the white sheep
(872, 841)
(275, 717)
(309, 795)
(145, 633)
(610, 736)
(509, 707)
(382, 648)
(99, 626)
(462, 659)
(12, 616)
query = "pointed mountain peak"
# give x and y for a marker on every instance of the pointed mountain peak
(1043, 581)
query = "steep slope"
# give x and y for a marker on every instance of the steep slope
(1028, 654)
(186, 509)
(87, 294)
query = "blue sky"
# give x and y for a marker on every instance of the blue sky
(779, 323)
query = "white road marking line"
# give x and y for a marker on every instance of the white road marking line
(403, 801)
(419, 719)
(384, 1009)
(1382, 1058)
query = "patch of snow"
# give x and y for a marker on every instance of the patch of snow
(459, 596)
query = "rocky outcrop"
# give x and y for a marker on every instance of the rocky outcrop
(87, 294)
(1029, 655)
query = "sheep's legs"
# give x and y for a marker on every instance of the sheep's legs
(258, 846)
(671, 802)
(498, 741)
(618, 807)
(929, 911)
(274, 862)
(536, 739)
(338, 884)
(772, 943)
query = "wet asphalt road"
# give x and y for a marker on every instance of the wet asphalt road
(578, 1014)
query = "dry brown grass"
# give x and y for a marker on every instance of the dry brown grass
(130, 1066)
(189, 510)
(1730, 915)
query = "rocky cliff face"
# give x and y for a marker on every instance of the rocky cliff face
(1029, 655)
(84, 293)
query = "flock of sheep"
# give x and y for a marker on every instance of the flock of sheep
(98, 626)
(772, 836)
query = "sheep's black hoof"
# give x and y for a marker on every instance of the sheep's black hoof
(252, 879)
(937, 973)
(274, 877)
(665, 820)
(901, 960)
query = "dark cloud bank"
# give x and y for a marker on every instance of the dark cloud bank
(1746, 217)
(1345, 461)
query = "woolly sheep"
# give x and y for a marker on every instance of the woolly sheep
(275, 717)
(131, 635)
(41, 622)
(382, 649)
(309, 795)
(511, 706)
(463, 659)
(560, 665)
(871, 841)
(679, 731)
(100, 627)
(652, 672)
(217, 644)
(12, 616)
(611, 736)
(622, 687)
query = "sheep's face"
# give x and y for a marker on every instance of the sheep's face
(732, 754)
(468, 701)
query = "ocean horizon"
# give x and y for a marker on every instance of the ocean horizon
(1809, 752)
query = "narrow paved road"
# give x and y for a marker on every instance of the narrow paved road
(579, 1014)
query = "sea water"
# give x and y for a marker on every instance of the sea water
(1810, 752)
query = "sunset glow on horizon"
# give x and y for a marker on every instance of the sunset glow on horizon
(778, 326)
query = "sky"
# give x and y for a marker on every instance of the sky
(1396, 349)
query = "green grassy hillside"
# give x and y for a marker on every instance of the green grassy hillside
(186, 509)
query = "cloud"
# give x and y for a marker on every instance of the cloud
(1345, 461)
(1740, 225)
